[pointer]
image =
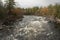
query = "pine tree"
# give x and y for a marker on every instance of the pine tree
(10, 5)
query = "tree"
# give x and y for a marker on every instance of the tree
(1, 3)
(2, 10)
(57, 10)
(10, 5)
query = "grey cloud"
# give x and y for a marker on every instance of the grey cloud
(31, 3)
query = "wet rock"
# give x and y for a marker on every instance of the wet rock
(31, 28)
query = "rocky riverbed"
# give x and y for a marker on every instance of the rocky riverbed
(30, 28)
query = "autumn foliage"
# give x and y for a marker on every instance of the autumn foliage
(10, 12)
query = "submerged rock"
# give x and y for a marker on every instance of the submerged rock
(31, 28)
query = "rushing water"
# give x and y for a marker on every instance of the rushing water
(31, 28)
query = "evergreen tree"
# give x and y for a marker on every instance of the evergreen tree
(10, 5)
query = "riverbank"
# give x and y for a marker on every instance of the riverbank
(56, 22)
(8, 21)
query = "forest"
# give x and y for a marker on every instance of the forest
(9, 13)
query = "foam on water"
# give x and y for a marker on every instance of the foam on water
(33, 28)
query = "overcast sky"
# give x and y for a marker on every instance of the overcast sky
(31, 3)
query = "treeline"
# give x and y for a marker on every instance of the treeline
(51, 10)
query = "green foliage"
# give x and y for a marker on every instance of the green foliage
(7, 12)
(31, 11)
(10, 4)
(2, 11)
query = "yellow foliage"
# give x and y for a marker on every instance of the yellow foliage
(44, 10)
(17, 11)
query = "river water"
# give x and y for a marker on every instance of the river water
(31, 28)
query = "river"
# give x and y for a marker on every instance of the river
(31, 28)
